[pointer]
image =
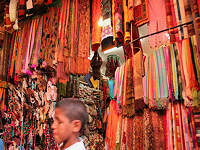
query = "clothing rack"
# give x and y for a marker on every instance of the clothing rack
(145, 36)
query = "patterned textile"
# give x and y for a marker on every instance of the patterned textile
(96, 29)
(127, 36)
(83, 63)
(157, 22)
(49, 37)
(148, 130)
(181, 131)
(107, 35)
(157, 121)
(170, 20)
(117, 8)
(141, 12)
(22, 10)
(138, 132)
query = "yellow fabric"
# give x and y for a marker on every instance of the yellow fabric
(94, 82)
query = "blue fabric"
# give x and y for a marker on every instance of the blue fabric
(111, 88)
(1, 144)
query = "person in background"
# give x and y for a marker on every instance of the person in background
(70, 119)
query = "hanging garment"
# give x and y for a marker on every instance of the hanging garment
(156, 80)
(107, 30)
(140, 12)
(127, 36)
(83, 63)
(137, 75)
(157, 22)
(96, 29)
(112, 125)
(117, 10)
(22, 10)
(171, 21)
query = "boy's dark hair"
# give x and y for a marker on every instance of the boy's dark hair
(74, 110)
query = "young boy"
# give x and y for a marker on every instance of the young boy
(69, 120)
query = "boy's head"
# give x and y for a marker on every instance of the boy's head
(70, 118)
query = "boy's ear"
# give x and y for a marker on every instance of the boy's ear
(76, 125)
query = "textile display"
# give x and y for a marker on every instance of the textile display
(93, 101)
(46, 42)
(28, 110)
(180, 127)
(176, 67)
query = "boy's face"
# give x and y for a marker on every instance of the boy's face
(62, 126)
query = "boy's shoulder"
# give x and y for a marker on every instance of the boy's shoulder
(77, 146)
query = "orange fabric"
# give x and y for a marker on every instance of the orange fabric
(113, 119)
(14, 54)
(96, 29)
(192, 79)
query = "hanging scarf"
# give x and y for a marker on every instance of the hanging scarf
(127, 36)
(84, 37)
(22, 10)
(170, 20)
(117, 6)
(137, 75)
(96, 29)
(141, 12)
